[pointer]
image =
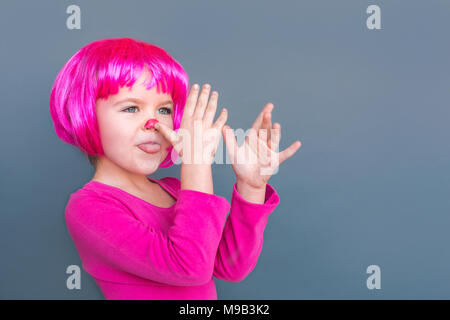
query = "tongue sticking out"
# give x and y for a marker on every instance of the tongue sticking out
(150, 147)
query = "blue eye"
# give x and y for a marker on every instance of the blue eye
(129, 108)
(169, 111)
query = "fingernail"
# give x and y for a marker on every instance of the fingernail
(195, 86)
(157, 125)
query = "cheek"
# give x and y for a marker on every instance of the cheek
(115, 135)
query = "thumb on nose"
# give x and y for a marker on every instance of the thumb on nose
(168, 133)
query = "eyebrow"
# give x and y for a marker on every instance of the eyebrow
(137, 100)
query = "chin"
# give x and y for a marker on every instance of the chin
(145, 169)
(147, 166)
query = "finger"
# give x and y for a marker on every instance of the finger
(266, 156)
(289, 151)
(275, 137)
(211, 109)
(252, 141)
(265, 128)
(262, 140)
(263, 150)
(257, 124)
(220, 122)
(202, 102)
(191, 100)
(264, 135)
(230, 142)
(167, 133)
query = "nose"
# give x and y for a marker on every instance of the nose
(150, 124)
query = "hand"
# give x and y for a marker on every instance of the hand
(256, 160)
(197, 139)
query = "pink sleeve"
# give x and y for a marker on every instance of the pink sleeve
(106, 233)
(242, 237)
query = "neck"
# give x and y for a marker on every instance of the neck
(110, 173)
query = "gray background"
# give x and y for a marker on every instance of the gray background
(370, 185)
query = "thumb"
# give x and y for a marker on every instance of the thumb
(167, 133)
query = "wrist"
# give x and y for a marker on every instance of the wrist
(197, 177)
(254, 194)
(247, 186)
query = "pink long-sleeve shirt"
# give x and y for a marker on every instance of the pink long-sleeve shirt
(136, 250)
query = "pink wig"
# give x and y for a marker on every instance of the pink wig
(98, 70)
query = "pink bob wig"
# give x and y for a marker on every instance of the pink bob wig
(98, 70)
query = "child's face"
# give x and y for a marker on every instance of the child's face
(121, 124)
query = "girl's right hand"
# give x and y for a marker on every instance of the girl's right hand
(197, 139)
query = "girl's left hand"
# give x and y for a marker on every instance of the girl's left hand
(255, 161)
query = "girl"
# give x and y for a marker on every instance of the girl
(125, 104)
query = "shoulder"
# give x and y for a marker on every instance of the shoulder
(88, 202)
(90, 192)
